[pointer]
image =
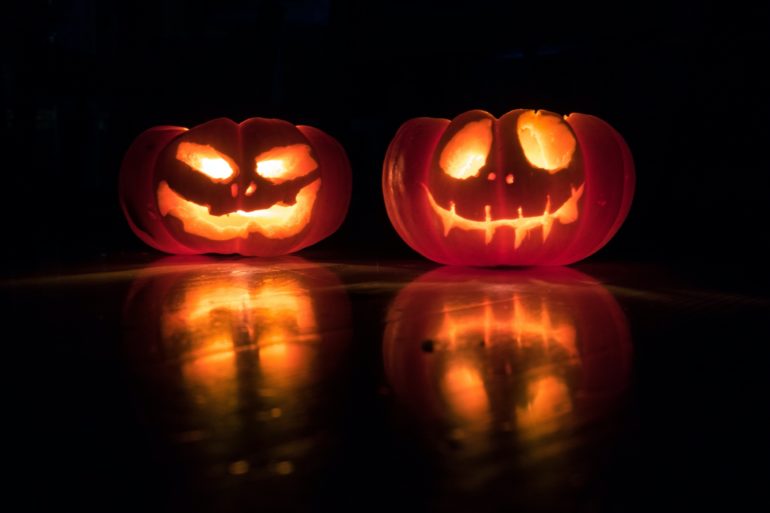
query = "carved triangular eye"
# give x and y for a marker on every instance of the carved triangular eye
(207, 161)
(467, 151)
(284, 163)
(547, 141)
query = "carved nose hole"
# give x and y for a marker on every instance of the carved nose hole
(491, 176)
(234, 190)
(509, 179)
(250, 189)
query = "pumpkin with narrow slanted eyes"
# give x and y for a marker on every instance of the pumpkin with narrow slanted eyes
(530, 188)
(263, 187)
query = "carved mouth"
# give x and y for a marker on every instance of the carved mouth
(277, 222)
(567, 213)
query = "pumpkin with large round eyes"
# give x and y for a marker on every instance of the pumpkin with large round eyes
(529, 188)
(263, 187)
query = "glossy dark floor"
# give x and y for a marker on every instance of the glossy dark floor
(242, 385)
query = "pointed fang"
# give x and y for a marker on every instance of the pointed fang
(448, 221)
(520, 234)
(547, 224)
(489, 231)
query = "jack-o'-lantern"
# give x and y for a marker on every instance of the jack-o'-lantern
(530, 188)
(232, 351)
(263, 187)
(530, 352)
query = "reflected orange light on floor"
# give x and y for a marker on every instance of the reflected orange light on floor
(210, 378)
(504, 320)
(481, 351)
(285, 365)
(513, 321)
(548, 400)
(228, 313)
(244, 350)
(463, 389)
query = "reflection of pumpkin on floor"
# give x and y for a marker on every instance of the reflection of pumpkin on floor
(529, 188)
(248, 349)
(518, 351)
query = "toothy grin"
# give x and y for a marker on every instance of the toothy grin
(567, 213)
(277, 222)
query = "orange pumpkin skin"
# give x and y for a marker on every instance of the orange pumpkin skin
(263, 187)
(529, 188)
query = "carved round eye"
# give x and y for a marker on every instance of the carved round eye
(206, 160)
(467, 151)
(284, 163)
(547, 141)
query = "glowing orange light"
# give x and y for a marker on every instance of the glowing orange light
(285, 365)
(514, 323)
(547, 141)
(466, 153)
(503, 319)
(477, 353)
(288, 322)
(277, 222)
(548, 400)
(206, 160)
(285, 163)
(463, 388)
(567, 213)
(219, 317)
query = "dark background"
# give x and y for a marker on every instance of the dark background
(684, 83)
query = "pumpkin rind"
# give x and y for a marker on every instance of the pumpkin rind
(509, 211)
(178, 209)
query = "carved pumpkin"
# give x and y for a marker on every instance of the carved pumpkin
(263, 187)
(530, 188)
(232, 349)
(480, 351)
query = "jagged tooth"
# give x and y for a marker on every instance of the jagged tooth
(449, 220)
(489, 229)
(520, 234)
(568, 213)
(547, 224)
